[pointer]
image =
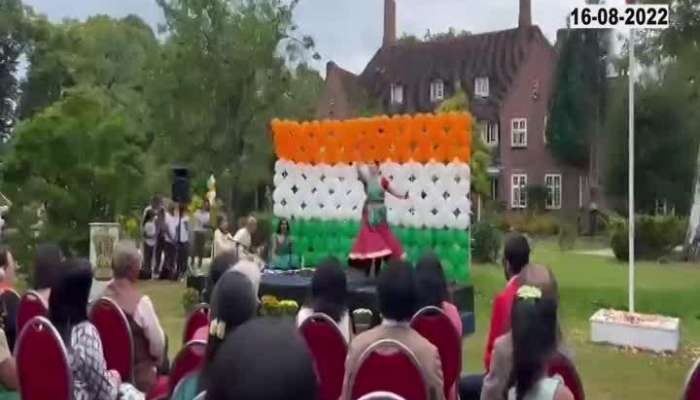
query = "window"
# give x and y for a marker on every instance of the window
(481, 87)
(437, 90)
(494, 188)
(518, 191)
(396, 93)
(553, 184)
(518, 132)
(491, 133)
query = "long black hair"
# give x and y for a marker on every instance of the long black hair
(47, 265)
(219, 265)
(329, 291)
(430, 282)
(264, 359)
(281, 222)
(69, 297)
(233, 303)
(534, 329)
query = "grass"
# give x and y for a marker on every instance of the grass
(586, 283)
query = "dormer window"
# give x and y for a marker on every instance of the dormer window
(396, 93)
(437, 90)
(481, 87)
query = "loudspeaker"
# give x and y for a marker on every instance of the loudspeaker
(181, 185)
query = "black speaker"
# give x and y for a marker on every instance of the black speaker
(181, 185)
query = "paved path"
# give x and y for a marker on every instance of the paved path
(599, 252)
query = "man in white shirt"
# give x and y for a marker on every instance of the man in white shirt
(180, 221)
(149, 338)
(244, 238)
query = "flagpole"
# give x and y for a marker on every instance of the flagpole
(631, 75)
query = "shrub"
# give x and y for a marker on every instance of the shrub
(655, 236)
(536, 198)
(568, 233)
(486, 242)
(534, 224)
(190, 299)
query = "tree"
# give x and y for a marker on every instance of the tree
(14, 34)
(222, 71)
(480, 156)
(80, 161)
(579, 98)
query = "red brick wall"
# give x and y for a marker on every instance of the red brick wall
(535, 160)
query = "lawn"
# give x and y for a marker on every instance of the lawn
(586, 283)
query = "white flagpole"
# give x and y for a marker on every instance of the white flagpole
(631, 75)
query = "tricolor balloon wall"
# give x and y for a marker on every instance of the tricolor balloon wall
(317, 187)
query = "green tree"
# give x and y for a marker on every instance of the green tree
(223, 71)
(14, 34)
(79, 159)
(480, 157)
(579, 99)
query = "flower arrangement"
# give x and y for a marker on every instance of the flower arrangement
(273, 307)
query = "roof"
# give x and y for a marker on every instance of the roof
(350, 82)
(496, 55)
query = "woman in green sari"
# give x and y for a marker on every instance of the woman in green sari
(282, 255)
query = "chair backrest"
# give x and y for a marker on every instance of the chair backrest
(201, 396)
(562, 366)
(692, 383)
(388, 365)
(30, 305)
(436, 327)
(329, 349)
(115, 334)
(42, 363)
(9, 303)
(187, 361)
(381, 396)
(198, 318)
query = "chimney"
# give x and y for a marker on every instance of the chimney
(389, 23)
(525, 18)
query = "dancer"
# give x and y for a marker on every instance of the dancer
(375, 242)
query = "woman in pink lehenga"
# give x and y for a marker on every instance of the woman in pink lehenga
(375, 242)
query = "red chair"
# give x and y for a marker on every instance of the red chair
(562, 366)
(198, 318)
(436, 327)
(329, 349)
(388, 365)
(42, 363)
(30, 305)
(381, 396)
(187, 361)
(692, 384)
(115, 333)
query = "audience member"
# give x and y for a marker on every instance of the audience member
(329, 295)
(398, 302)
(534, 337)
(68, 313)
(498, 379)
(8, 311)
(263, 359)
(219, 265)
(516, 256)
(47, 267)
(432, 289)
(148, 336)
(233, 303)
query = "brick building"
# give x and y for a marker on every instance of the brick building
(508, 76)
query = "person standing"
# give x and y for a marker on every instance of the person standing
(150, 238)
(158, 210)
(168, 268)
(201, 228)
(182, 241)
(375, 242)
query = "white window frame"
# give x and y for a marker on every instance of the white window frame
(494, 188)
(481, 86)
(518, 132)
(554, 191)
(437, 90)
(396, 93)
(491, 133)
(518, 191)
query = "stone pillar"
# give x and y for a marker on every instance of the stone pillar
(103, 237)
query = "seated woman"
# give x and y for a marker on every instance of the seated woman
(432, 289)
(535, 336)
(47, 268)
(233, 303)
(264, 358)
(282, 255)
(8, 370)
(68, 313)
(329, 295)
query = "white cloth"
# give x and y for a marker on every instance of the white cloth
(344, 324)
(544, 389)
(172, 221)
(201, 221)
(243, 238)
(223, 242)
(149, 233)
(145, 317)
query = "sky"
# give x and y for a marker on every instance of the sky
(348, 32)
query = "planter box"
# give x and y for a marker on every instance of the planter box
(649, 332)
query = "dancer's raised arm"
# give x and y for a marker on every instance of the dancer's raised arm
(386, 185)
